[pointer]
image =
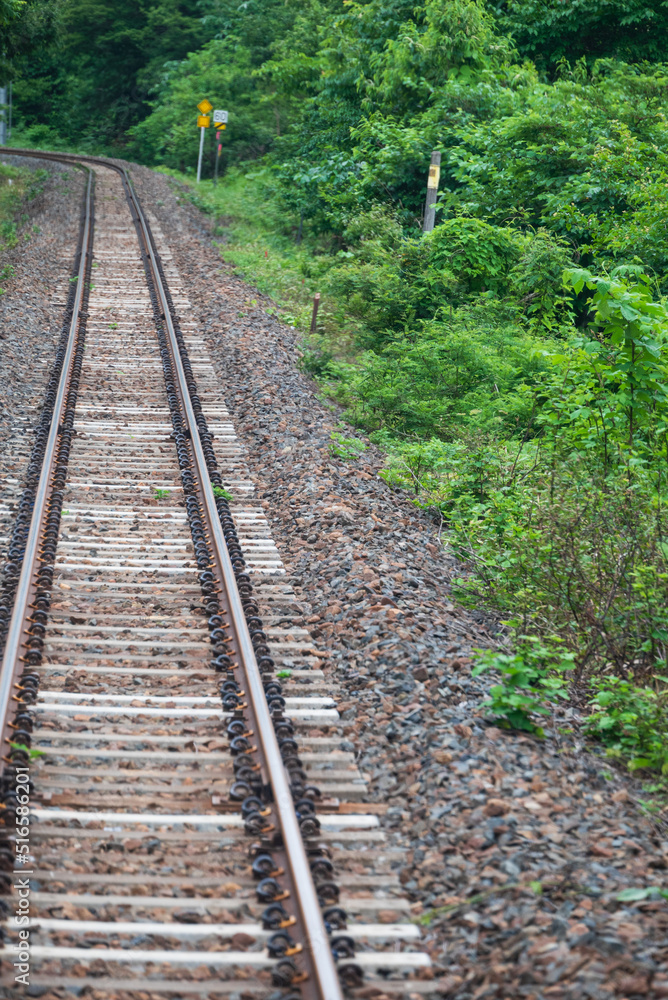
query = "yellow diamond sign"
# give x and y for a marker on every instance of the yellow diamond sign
(205, 106)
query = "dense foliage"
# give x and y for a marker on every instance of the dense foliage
(93, 64)
(513, 362)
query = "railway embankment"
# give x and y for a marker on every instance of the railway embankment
(528, 863)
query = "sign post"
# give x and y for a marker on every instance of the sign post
(219, 119)
(203, 122)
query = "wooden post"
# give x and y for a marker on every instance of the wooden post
(432, 191)
(316, 303)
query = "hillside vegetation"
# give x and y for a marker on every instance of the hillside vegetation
(513, 363)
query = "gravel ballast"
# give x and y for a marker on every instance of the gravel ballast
(31, 313)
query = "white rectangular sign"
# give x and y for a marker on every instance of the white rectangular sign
(220, 117)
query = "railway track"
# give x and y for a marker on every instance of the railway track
(194, 827)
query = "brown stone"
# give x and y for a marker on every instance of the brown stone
(476, 843)
(242, 941)
(496, 807)
(599, 851)
(448, 984)
(630, 985)
(492, 733)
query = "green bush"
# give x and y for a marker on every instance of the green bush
(537, 281)
(631, 721)
(346, 448)
(533, 678)
(472, 254)
(565, 555)
(562, 523)
(445, 376)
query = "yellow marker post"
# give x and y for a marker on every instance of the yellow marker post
(203, 122)
(432, 192)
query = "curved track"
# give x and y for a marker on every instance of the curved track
(193, 827)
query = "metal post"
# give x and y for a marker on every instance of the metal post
(219, 146)
(432, 191)
(9, 130)
(201, 150)
(3, 116)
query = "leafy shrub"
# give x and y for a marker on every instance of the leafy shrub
(532, 679)
(372, 233)
(537, 280)
(564, 525)
(417, 465)
(473, 253)
(631, 721)
(439, 379)
(41, 136)
(346, 447)
(375, 294)
(564, 555)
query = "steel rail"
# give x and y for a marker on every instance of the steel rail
(323, 981)
(11, 657)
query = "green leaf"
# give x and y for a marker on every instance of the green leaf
(634, 895)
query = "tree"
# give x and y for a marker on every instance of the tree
(553, 30)
(105, 60)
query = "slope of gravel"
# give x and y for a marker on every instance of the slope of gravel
(31, 310)
(515, 849)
